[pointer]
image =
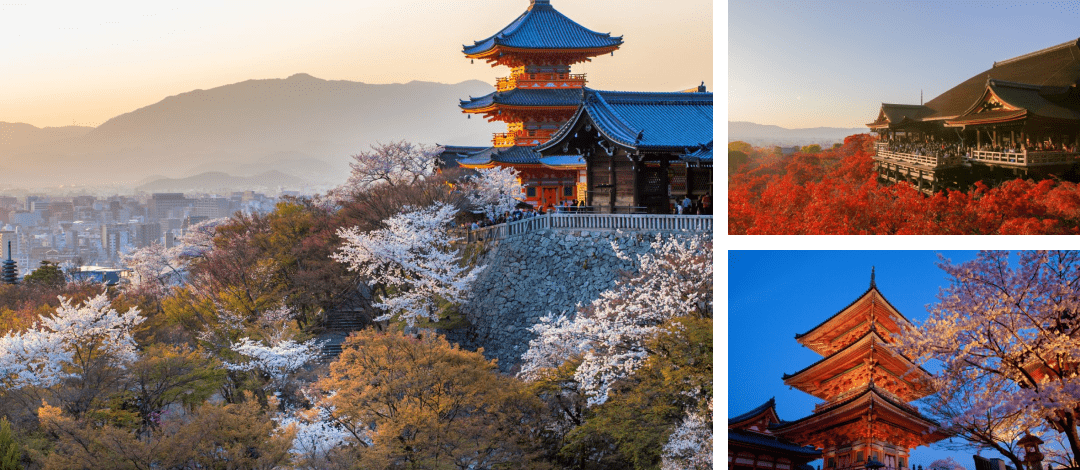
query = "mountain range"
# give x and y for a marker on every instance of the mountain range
(303, 128)
(763, 135)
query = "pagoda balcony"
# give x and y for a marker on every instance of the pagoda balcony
(524, 137)
(540, 80)
(857, 390)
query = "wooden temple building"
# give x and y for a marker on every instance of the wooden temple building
(866, 386)
(753, 446)
(659, 152)
(1020, 118)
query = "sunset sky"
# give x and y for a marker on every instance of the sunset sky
(800, 64)
(82, 63)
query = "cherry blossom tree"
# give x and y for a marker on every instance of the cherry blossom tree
(997, 427)
(199, 239)
(279, 358)
(1013, 327)
(412, 262)
(494, 191)
(674, 280)
(81, 347)
(319, 433)
(154, 269)
(278, 362)
(690, 445)
(394, 164)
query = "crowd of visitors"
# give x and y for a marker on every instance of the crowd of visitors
(955, 149)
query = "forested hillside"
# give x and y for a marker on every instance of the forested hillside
(835, 191)
(209, 354)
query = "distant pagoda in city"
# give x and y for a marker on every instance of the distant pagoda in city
(539, 96)
(866, 419)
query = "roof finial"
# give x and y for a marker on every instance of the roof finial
(872, 283)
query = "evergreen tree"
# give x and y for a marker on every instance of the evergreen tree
(9, 449)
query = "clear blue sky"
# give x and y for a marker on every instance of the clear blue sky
(805, 63)
(773, 295)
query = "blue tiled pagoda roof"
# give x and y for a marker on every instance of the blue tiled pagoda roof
(701, 154)
(542, 27)
(526, 97)
(557, 161)
(515, 155)
(646, 121)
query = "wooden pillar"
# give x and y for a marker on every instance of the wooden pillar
(665, 182)
(638, 170)
(978, 138)
(590, 183)
(1012, 138)
(614, 185)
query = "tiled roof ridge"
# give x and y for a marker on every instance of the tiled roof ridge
(873, 330)
(754, 412)
(869, 388)
(853, 302)
(1064, 45)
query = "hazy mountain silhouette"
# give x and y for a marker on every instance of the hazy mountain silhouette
(218, 182)
(761, 134)
(301, 126)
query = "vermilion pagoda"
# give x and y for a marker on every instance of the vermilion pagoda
(538, 97)
(866, 386)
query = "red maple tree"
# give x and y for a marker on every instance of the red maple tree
(836, 191)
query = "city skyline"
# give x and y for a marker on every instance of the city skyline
(82, 64)
(800, 64)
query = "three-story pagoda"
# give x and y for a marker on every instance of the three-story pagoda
(866, 385)
(539, 96)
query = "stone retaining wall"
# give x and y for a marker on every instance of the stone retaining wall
(536, 273)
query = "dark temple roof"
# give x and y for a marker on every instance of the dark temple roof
(871, 288)
(646, 121)
(701, 154)
(561, 97)
(754, 412)
(898, 113)
(1030, 97)
(772, 442)
(516, 155)
(450, 154)
(1057, 66)
(542, 27)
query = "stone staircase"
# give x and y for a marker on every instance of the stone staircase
(352, 315)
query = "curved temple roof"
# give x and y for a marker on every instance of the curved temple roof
(1046, 72)
(525, 97)
(646, 121)
(512, 155)
(543, 27)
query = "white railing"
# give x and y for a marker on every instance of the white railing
(568, 222)
(1024, 158)
(932, 161)
(1019, 158)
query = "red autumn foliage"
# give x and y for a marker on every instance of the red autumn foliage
(837, 192)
